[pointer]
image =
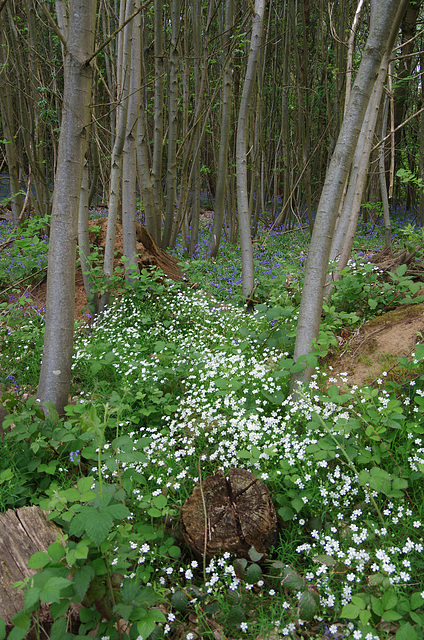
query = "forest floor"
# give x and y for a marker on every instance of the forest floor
(177, 382)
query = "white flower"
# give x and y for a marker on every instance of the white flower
(244, 626)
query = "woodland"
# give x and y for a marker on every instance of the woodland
(211, 319)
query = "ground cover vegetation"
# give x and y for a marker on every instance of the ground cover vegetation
(176, 381)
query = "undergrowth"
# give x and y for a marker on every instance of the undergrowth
(174, 384)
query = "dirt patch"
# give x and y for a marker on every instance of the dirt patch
(376, 346)
(149, 257)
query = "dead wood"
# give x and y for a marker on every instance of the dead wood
(239, 515)
(22, 533)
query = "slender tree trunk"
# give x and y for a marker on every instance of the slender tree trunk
(84, 244)
(382, 177)
(58, 339)
(384, 24)
(123, 67)
(241, 151)
(129, 167)
(171, 175)
(341, 245)
(158, 119)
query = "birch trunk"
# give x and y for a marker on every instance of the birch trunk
(241, 151)
(55, 372)
(129, 168)
(123, 67)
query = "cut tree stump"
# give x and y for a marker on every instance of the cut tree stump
(239, 511)
(22, 533)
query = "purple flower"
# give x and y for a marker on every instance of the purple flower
(75, 457)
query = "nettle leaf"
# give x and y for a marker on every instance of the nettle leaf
(406, 632)
(58, 629)
(179, 601)
(308, 605)
(292, 580)
(129, 590)
(329, 561)
(82, 579)
(124, 610)
(56, 551)
(52, 590)
(147, 624)
(118, 511)
(253, 573)
(401, 270)
(98, 526)
(38, 560)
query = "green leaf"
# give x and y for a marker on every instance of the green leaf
(118, 511)
(82, 579)
(286, 513)
(71, 494)
(124, 610)
(129, 590)
(377, 606)
(389, 600)
(56, 551)
(84, 484)
(174, 552)
(17, 633)
(160, 501)
(372, 305)
(350, 611)
(292, 580)
(2, 629)
(416, 600)
(147, 625)
(58, 609)
(32, 597)
(253, 573)
(406, 632)
(254, 555)
(179, 601)
(38, 560)
(308, 605)
(329, 561)
(58, 629)
(391, 616)
(98, 527)
(401, 270)
(53, 588)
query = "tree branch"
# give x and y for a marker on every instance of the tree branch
(111, 37)
(50, 20)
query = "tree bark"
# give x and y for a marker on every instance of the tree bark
(55, 372)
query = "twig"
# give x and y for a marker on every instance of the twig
(18, 282)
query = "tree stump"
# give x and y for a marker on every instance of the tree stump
(239, 515)
(22, 533)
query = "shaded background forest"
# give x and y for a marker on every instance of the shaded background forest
(191, 64)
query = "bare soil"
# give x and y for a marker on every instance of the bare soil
(376, 346)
